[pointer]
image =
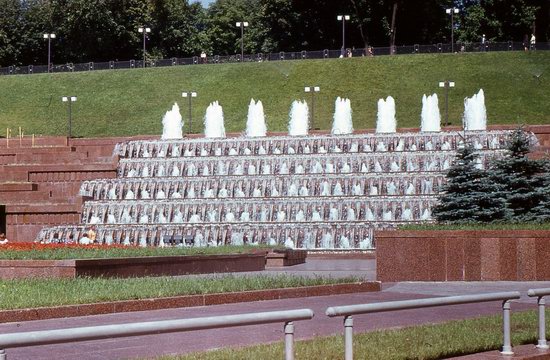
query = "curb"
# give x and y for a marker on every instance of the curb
(20, 315)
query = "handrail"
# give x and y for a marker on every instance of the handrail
(540, 294)
(349, 310)
(45, 337)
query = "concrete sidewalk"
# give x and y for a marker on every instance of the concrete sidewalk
(321, 325)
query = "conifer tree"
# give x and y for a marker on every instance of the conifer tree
(469, 196)
(521, 179)
(541, 212)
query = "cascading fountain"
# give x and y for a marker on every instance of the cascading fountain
(386, 122)
(475, 112)
(299, 119)
(172, 124)
(342, 124)
(255, 122)
(322, 191)
(430, 117)
(213, 121)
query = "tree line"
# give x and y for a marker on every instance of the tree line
(103, 30)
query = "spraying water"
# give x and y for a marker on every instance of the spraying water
(299, 119)
(172, 124)
(430, 117)
(213, 121)
(475, 112)
(386, 122)
(255, 122)
(342, 123)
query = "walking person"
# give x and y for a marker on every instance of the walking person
(533, 42)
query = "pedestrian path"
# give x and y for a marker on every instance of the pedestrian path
(321, 325)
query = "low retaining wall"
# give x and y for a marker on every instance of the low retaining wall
(286, 257)
(183, 301)
(132, 267)
(442, 255)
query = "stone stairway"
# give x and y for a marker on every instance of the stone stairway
(40, 180)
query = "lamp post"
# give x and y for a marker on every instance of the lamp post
(343, 19)
(242, 25)
(144, 30)
(49, 37)
(312, 90)
(446, 84)
(451, 12)
(189, 95)
(70, 100)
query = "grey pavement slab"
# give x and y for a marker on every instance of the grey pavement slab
(321, 325)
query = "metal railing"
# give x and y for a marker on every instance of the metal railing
(348, 311)
(46, 337)
(278, 56)
(540, 294)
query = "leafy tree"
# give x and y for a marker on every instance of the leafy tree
(224, 36)
(278, 20)
(178, 28)
(34, 22)
(469, 196)
(500, 20)
(10, 20)
(521, 178)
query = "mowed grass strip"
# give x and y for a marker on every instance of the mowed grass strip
(60, 252)
(131, 102)
(437, 341)
(495, 226)
(35, 293)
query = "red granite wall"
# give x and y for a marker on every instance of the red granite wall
(132, 267)
(522, 255)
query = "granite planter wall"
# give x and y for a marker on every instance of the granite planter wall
(444, 255)
(132, 267)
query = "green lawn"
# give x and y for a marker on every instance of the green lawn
(439, 341)
(34, 293)
(29, 251)
(130, 102)
(495, 226)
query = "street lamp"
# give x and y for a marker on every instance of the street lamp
(312, 90)
(70, 100)
(446, 84)
(145, 31)
(242, 25)
(343, 19)
(49, 37)
(189, 95)
(451, 12)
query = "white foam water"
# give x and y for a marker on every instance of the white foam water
(475, 112)
(430, 118)
(172, 124)
(386, 122)
(213, 121)
(255, 121)
(299, 119)
(342, 123)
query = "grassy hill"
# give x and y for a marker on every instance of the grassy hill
(130, 102)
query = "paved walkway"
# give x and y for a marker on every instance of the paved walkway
(154, 345)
